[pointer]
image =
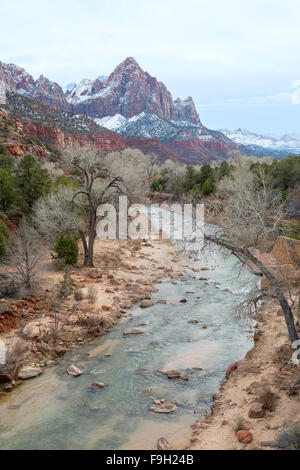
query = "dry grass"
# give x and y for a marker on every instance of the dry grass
(267, 398)
(78, 295)
(92, 294)
(239, 424)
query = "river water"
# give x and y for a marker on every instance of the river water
(56, 411)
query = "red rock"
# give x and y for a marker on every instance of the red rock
(245, 437)
(106, 308)
(232, 368)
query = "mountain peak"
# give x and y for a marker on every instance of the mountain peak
(130, 61)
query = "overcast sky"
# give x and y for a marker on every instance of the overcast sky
(238, 59)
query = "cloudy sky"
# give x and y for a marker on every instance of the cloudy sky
(238, 59)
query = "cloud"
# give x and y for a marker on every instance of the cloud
(276, 99)
(210, 49)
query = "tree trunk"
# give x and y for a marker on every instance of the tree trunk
(85, 248)
(92, 237)
(91, 251)
(288, 314)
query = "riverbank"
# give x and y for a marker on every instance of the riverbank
(237, 406)
(38, 330)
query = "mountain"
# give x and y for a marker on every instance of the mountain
(129, 91)
(43, 90)
(52, 127)
(129, 102)
(277, 145)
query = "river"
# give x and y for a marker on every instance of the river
(56, 411)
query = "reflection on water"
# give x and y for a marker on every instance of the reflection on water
(55, 411)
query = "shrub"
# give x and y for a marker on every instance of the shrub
(66, 286)
(66, 248)
(78, 295)
(290, 439)
(239, 424)
(58, 264)
(208, 186)
(4, 239)
(268, 399)
(92, 294)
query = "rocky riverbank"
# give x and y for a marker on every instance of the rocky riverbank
(38, 330)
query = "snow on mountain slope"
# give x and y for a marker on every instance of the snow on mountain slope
(151, 126)
(287, 142)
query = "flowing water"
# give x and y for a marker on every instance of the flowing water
(56, 411)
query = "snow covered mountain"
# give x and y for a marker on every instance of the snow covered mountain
(289, 143)
(151, 126)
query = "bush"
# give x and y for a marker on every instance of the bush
(268, 399)
(58, 264)
(66, 286)
(208, 187)
(78, 295)
(92, 294)
(66, 248)
(290, 439)
(4, 239)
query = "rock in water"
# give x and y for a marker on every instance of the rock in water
(163, 408)
(74, 371)
(99, 385)
(172, 374)
(134, 331)
(146, 303)
(29, 372)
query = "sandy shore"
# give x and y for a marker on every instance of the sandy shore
(268, 363)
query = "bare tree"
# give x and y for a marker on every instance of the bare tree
(25, 257)
(103, 178)
(252, 211)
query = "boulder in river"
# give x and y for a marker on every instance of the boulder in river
(99, 385)
(163, 408)
(134, 331)
(28, 372)
(74, 371)
(172, 374)
(146, 303)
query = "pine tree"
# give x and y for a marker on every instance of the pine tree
(32, 181)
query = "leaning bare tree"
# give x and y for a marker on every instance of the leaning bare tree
(251, 214)
(102, 178)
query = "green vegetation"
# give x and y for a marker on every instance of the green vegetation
(32, 182)
(66, 248)
(4, 238)
(66, 286)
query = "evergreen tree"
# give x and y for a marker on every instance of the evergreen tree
(7, 191)
(66, 248)
(32, 181)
